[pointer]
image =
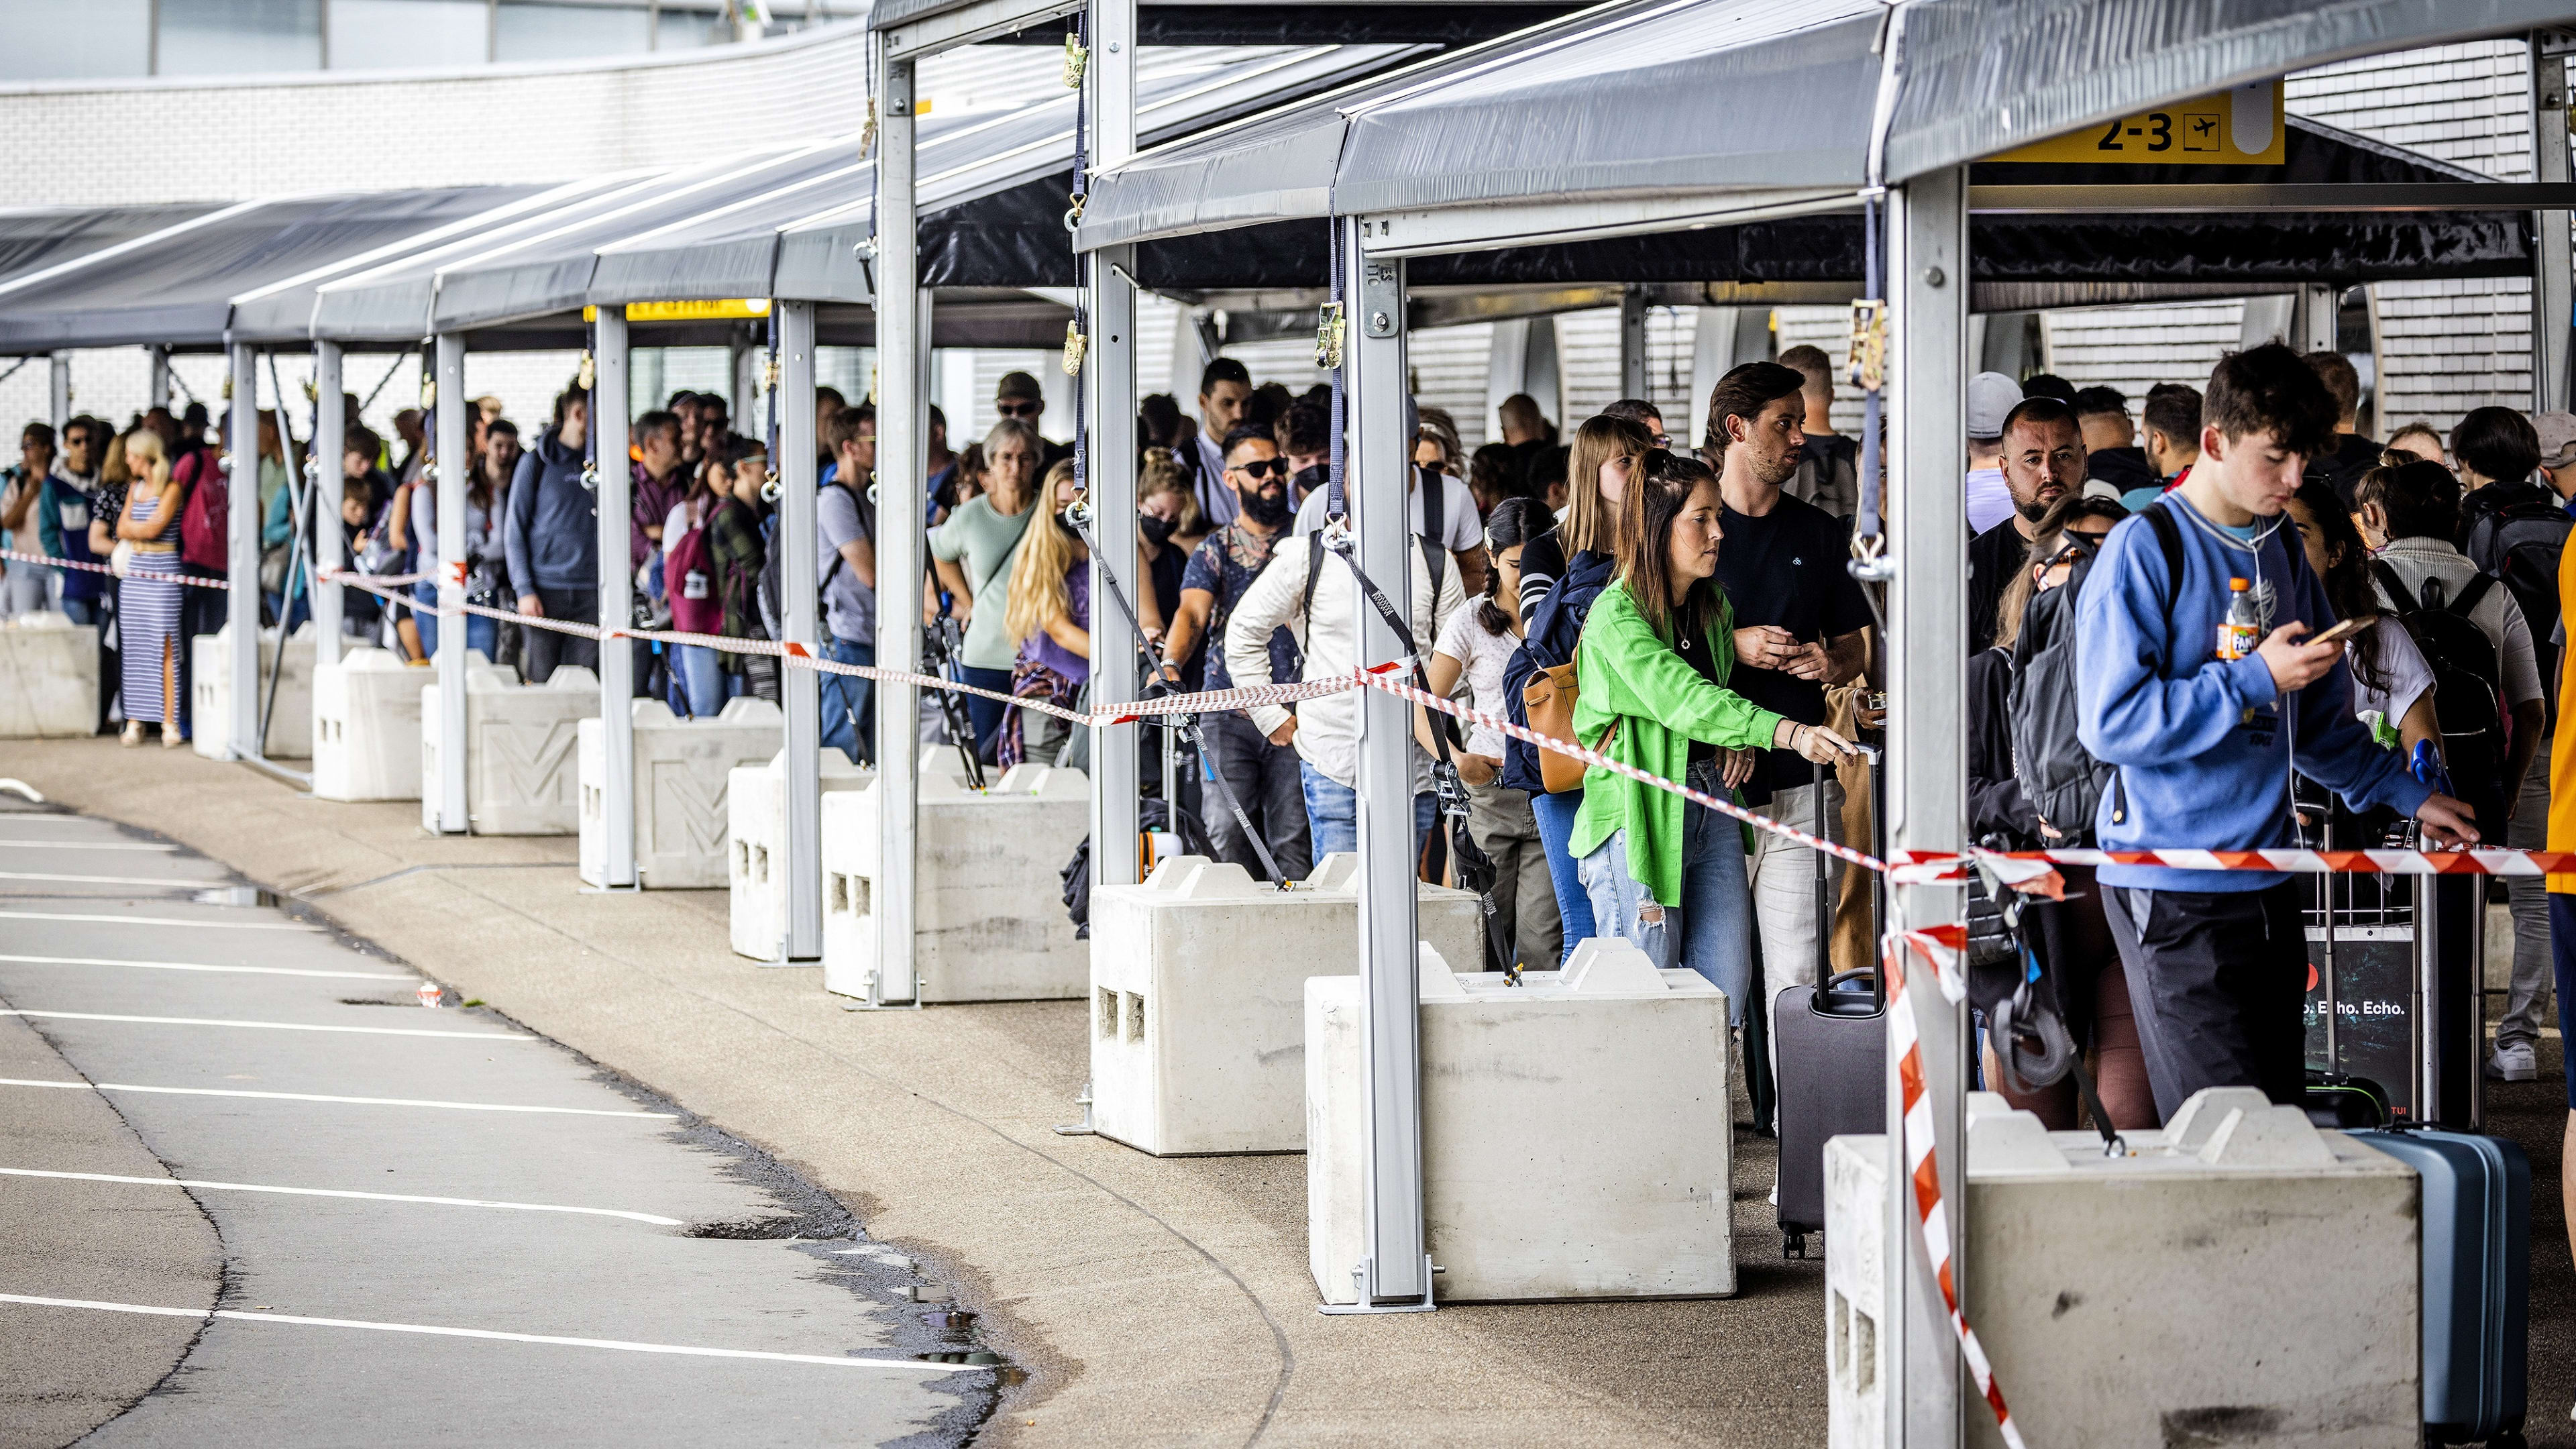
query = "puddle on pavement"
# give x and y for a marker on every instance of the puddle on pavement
(237, 896)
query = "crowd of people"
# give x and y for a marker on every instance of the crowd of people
(1682, 610)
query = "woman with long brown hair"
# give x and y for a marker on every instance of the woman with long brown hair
(1656, 652)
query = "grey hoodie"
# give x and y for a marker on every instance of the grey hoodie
(552, 533)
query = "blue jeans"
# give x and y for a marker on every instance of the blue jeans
(1711, 930)
(699, 680)
(986, 713)
(81, 611)
(1333, 813)
(1556, 836)
(845, 700)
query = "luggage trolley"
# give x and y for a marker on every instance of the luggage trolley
(2395, 993)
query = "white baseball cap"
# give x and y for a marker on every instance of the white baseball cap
(1991, 398)
(2557, 438)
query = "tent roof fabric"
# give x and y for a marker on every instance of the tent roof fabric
(1660, 98)
(176, 286)
(48, 236)
(821, 256)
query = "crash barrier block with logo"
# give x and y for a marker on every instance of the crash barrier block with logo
(681, 767)
(366, 726)
(989, 922)
(1575, 1131)
(521, 777)
(210, 683)
(48, 678)
(2238, 1277)
(1198, 988)
(756, 847)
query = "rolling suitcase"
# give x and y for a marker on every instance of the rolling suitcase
(2477, 1287)
(1830, 1056)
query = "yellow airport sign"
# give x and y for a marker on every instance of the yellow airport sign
(711, 310)
(2241, 127)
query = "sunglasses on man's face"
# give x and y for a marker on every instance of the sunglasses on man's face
(1019, 407)
(1260, 468)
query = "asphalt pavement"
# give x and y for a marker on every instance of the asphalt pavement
(253, 1191)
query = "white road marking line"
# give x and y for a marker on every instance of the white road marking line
(192, 966)
(86, 845)
(321, 1097)
(615, 1343)
(264, 1025)
(530, 1207)
(125, 880)
(160, 920)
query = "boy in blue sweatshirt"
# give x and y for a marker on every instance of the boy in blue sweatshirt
(550, 535)
(2217, 960)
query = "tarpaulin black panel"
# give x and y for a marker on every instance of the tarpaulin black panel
(2341, 247)
(1279, 254)
(1013, 238)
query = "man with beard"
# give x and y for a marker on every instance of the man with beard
(1262, 774)
(1801, 624)
(1225, 386)
(2044, 460)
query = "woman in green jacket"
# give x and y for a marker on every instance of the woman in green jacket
(1656, 650)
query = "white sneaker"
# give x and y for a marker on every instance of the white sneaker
(2513, 1062)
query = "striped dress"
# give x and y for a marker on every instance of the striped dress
(147, 627)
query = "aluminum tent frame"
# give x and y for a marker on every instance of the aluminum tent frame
(1598, 128)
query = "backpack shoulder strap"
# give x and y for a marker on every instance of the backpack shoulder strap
(1435, 520)
(2169, 543)
(1314, 572)
(2475, 590)
(2398, 593)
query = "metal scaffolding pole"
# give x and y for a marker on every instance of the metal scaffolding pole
(1110, 371)
(330, 438)
(448, 457)
(159, 395)
(1633, 381)
(800, 690)
(901, 339)
(58, 392)
(241, 447)
(608, 413)
(2552, 284)
(1379, 470)
(1927, 759)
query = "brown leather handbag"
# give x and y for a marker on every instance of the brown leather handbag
(1549, 697)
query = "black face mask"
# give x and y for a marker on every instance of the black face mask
(1309, 478)
(1156, 528)
(1267, 509)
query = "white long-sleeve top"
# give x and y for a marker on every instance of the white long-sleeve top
(1327, 728)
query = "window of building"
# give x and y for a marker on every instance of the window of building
(568, 32)
(408, 34)
(97, 39)
(239, 37)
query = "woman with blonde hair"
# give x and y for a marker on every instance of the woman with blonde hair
(1048, 616)
(149, 599)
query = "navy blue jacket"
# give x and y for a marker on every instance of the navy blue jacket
(1555, 627)
(552, 535)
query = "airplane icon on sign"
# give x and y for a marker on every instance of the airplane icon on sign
(2206, 126)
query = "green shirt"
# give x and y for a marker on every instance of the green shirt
(982, 541)
(1626, 672)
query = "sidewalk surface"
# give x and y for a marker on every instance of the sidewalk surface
(1147, 1301)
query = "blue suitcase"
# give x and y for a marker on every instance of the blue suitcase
(2477, 1285)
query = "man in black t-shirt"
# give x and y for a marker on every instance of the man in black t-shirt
(2348, 454)
(1801, 623)
(2044, 460)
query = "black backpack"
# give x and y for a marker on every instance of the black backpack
(2519, 543)
(2060, 777)
(2468, 683)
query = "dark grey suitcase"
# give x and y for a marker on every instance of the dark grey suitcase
(2477, 1284)
(1832, 1060)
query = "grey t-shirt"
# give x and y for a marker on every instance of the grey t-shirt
(849, 606)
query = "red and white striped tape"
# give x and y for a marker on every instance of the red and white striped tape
(1938, 949)
(194, 581)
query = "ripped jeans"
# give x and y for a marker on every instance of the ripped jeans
(1713, 925)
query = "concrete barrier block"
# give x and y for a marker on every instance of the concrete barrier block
(988, 908)
(1198, 1009)
(756, 847)
(1575, 1144)
(521, 774)
(681, 769)
(210, 686)
(48, 678)
(2168, 1296)
(366, 727)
